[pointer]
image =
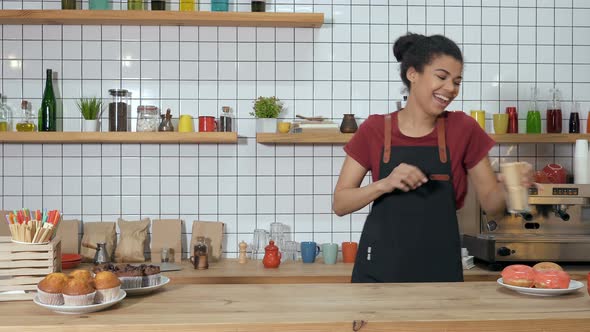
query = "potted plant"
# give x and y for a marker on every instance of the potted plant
(266, 111)
(91, 109)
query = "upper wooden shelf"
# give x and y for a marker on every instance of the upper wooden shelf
(118, 137)
(147, 17)
(332, 137)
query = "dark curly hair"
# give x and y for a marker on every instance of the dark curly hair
(416, 50)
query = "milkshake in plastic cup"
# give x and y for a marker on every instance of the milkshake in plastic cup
(517, 195)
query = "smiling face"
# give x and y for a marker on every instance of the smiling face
(437, 85)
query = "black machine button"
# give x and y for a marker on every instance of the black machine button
(503, 251)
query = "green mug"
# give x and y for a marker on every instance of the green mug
(330, 253)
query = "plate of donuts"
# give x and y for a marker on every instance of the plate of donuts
(543, 279)
(573, 287)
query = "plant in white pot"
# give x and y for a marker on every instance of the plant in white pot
(91, 109)
(266, 111)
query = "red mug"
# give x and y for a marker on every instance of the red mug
(207, 123)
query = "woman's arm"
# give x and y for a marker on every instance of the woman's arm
(490, 192)
(350, 197)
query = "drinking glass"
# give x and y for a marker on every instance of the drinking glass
(277, 234)
(259, 241)
(290, 252)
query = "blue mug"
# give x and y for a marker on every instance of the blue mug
(309, 251)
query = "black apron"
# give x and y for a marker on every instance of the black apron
(412, 236)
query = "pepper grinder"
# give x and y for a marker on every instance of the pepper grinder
(242, 258)
(166, 124)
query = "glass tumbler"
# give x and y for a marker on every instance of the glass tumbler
(259, 241)
(290, 251)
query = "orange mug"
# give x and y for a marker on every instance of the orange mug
(349, 251)
(207, 123)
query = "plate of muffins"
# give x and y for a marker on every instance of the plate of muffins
(136, 279)
(79, 292)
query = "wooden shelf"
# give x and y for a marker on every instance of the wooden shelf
(156, 18)
(339, 138)
(119, 137)
(537, 138)
(329, 137)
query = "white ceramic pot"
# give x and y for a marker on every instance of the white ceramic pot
(90, 125)
(266, 125)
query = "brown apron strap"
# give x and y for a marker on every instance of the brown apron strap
(442, 144)
(387, 139)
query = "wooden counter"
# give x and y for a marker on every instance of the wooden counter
(477, 306)
(229, 271)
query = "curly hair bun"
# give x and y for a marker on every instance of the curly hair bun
(404, 43)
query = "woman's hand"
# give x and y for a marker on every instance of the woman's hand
(404, 177)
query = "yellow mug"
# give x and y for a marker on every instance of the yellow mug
(185, 124)
(500, 123)
(480, 117)
(284, 127)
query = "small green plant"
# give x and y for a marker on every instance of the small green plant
(91, 108)
(267, 107)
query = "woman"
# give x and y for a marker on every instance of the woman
(419, 158)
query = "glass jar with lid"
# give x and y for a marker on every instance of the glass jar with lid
(118, 109)
(148, 118)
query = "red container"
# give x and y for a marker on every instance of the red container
(555, 173)
(207, 123)
(554, 121)
(272, 256)
(512, 120)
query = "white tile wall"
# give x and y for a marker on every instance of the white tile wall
(345, 66)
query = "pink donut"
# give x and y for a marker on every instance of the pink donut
(518, 275)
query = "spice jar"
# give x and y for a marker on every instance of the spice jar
(118, 109)
(147, 118)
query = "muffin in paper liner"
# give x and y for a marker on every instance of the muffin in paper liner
(151, 280)
(50, 298)
(106, 295)
(131, 282)
(79, 300)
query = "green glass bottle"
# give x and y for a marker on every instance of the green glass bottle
(48, 110)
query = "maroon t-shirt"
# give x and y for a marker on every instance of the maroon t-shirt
(468, 144)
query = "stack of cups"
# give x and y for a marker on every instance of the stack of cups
(581, 162)
(517, 199)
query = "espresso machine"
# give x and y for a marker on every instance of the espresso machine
(557, 228)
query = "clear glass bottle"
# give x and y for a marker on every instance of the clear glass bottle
(554, 114)
(147, 118)
(5, 115)
(27, 125)
(226, 120)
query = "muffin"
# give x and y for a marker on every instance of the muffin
(107, 286)
(130, 276)
(81, 274)
(49, 290)
(78, 292)
(151, 275)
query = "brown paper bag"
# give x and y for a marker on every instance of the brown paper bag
(4, 228)
(132, 240)
(95, 232)
(212, 231)
(166, 233)
(69, 231)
